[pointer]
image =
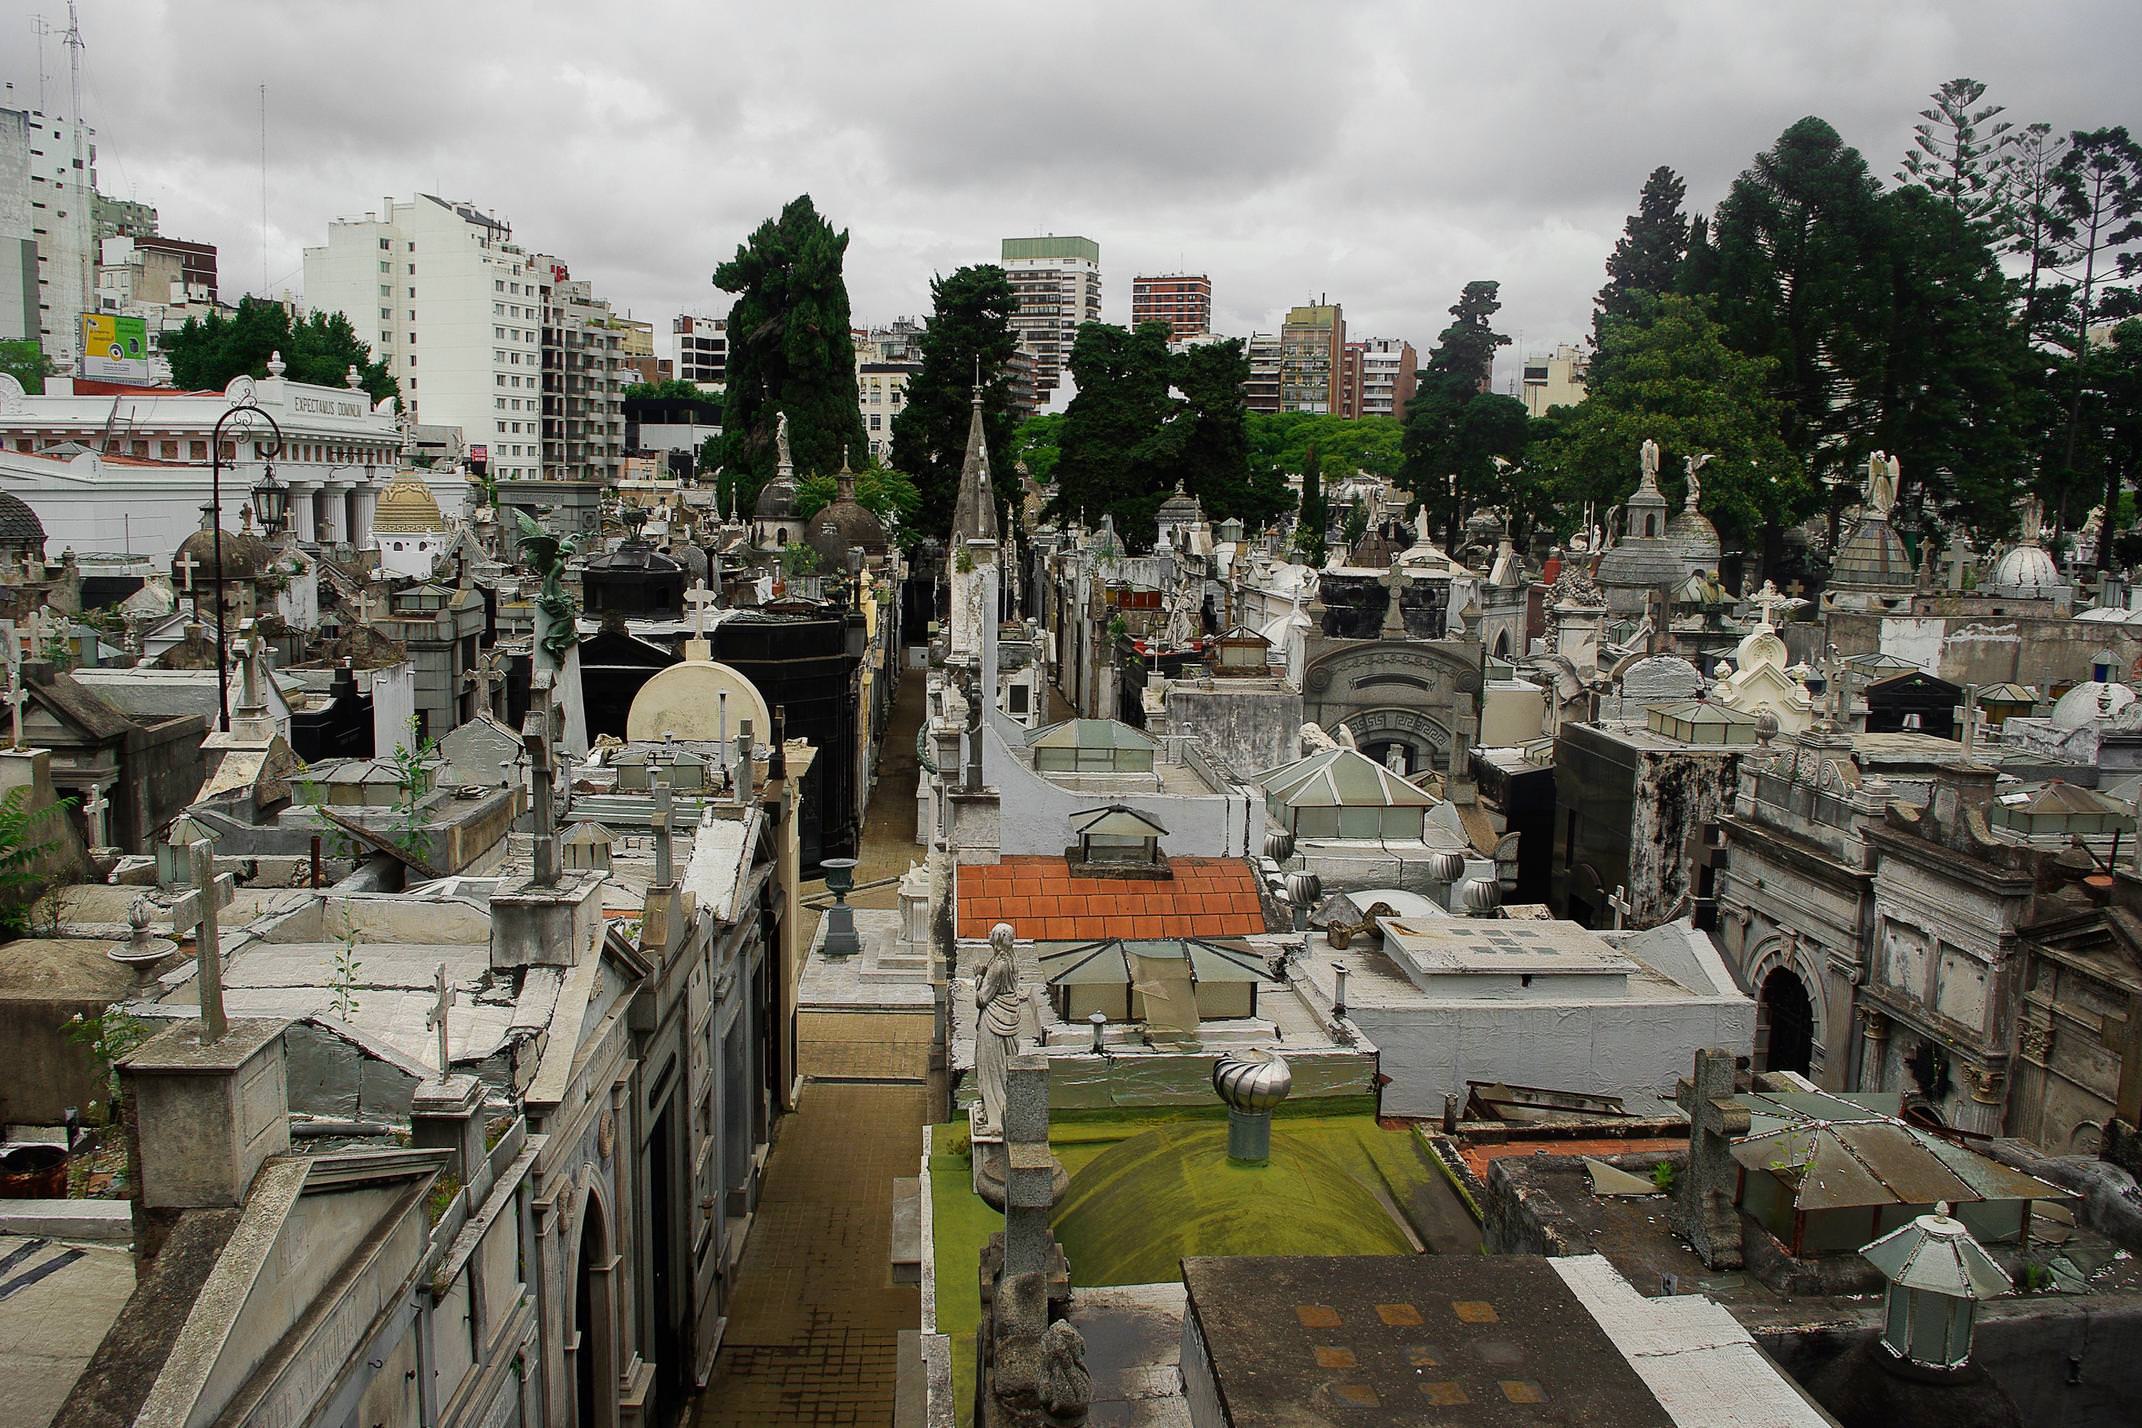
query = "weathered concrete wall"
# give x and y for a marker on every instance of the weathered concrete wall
(1432, 1051)
(45, 983)
(1980, 641)
(1035, 814)
(1249, 725)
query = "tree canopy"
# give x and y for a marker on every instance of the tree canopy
(885, 493)
(1666, 373)
(209, 352)
(970, 324)
(1648, 257)
(789, 350)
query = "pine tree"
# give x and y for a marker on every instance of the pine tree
(1107, 461)
(1650, 253)
(970, 319)
(1955, 156)
(1799, 283)
(2099, 185)
(1464, 354)
(789, 351)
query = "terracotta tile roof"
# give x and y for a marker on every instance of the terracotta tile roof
(1046, 901)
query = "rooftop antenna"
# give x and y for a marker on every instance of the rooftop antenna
(264, 191)
(84, 184)
(43, 28)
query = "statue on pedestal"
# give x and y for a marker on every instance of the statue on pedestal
(996, 1035)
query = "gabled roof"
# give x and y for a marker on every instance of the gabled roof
(1341, 778)
(1091, 734)
(1045, 900)
(1116, 821)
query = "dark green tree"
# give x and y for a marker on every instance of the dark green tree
(1280, 440)
(208, 353)
(789, 350)
(1956, 151)
(1108, 461)
(26, 362)
(970, 321)
(1669, 375)
(2033, 227)
(1698, 276)
(1309, 534)
(1204, 441)
(1799, 284)
(1649, 255)
(1037, 441)
(670, 389)
(2099, 194)
(1952, 387)
(1464, 352)
(880, 490)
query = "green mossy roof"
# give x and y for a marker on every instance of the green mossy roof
(1133, 1214)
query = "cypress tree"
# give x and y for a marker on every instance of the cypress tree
(1650, 252)
(789, 351)
(1309, 546)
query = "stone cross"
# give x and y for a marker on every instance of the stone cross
(1767, 600)
(196, 913)
(442, 998)
(2123, 1034)
(481, 674)
(249, 649)
(95, 806)
(1703, 1203)
(18, 694)
(700, 599)
(664, 851)
(44, 628)
(1394, 615)
(1029, 1172)
(1619, 902)
(186, 565)
(535, 735)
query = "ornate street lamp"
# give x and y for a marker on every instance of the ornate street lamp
(243, 419)
(271, 501)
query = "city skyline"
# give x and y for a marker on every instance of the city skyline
(1514, 175)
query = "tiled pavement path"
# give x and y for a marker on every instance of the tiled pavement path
(813, 1334)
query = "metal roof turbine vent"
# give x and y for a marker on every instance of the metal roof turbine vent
(1481, 897)
(1445, 867)
(1304, 890)
(1252, 1083)
(1279, 845)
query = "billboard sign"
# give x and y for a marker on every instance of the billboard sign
(114, 348)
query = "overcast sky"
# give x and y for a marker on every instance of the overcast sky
(1384, 155)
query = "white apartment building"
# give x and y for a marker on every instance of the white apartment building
(1057, 281)
(455, 308)
(1555, 379)
(702, 350)
(48, 236)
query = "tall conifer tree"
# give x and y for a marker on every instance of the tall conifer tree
(970, 320)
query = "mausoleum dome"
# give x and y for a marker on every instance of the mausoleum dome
(2089, 702)
(407, 507)
(1694, 539)
(2026, 572)
(777, 500)
(686, 700)
(844, 524)
(19, 526)
(245, 556)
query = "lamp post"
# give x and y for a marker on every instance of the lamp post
(243, 418)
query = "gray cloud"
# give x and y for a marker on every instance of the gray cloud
(1384, 155)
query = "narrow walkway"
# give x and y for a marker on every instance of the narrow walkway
(813, 1335)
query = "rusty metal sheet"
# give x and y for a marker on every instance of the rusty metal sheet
(1896, 1157)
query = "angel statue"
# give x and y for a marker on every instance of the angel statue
(1883, 473)
(1695, 486)
(1650, 456)
(545, 554)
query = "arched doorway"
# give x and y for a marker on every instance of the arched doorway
(1787, 1023)
(593, 1320)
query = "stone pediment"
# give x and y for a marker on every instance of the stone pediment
(1391, 662)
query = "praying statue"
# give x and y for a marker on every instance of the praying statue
(780, 437)
(1649, 453)
(996, 1035)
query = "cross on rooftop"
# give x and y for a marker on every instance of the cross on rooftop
(700, 599)
(1619, 902)
(186, 565)
(196, 912)
(442, 992)
(1767, 600)
(1704, 1202)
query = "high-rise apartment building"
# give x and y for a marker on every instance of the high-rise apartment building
(1379, 377)
(48, 231)
(1057, 281)
(1261, 392)
(1182, 300)
(458, 311)
(584, 377)
(702, 350)
(1555, 379)
(1312, 348)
